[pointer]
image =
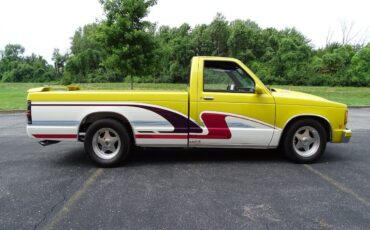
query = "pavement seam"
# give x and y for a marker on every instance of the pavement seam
(51, 210)
(73, 199)
(338, 185)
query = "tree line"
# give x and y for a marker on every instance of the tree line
(126, 47)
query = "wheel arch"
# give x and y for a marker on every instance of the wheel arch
(324, 121)
(95, 116)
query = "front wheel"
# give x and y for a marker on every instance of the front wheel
(107, 142)
(305, 141)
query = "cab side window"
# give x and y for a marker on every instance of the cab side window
(221, 76)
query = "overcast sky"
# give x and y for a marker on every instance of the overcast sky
(42, 25)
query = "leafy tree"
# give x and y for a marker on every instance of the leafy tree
(292, 58)
(59, 62)
(10, 58)
(175, 49)
(332, 65)
(361, 67)
(125, 46)
(129, 46)
(15, 67)
(201, 40)
(219, 33)
(13, 52)
(245, 40)
(87, 55)
(41, 71)
(181, 53)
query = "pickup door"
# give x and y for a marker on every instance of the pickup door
(226, 103)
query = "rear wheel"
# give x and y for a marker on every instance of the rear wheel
(305, 141)
(107, 142)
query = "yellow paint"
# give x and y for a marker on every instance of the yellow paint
(257, 106)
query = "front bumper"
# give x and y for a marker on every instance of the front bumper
(346, 135)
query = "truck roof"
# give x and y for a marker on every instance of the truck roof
(217, 58)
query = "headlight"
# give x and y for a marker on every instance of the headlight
(345, 118)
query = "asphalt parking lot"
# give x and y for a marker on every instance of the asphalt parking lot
(57, 187)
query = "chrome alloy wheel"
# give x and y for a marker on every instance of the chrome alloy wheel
(106, 143)
(306, 141)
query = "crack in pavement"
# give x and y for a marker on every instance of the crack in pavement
(61, 201)
(50, 211)
(73, 199)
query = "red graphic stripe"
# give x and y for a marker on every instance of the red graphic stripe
(160, 136)
(215, 123)
(56, 136)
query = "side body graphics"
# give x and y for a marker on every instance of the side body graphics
(154, 125)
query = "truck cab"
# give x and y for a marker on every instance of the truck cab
(244, 106)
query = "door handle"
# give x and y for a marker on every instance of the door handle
(208, 98)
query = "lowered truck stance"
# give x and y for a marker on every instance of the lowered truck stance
(226, 106)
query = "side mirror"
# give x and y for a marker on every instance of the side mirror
(258, 90)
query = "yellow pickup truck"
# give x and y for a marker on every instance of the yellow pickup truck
(226, 106)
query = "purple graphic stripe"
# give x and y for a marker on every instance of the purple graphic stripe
(181, 123)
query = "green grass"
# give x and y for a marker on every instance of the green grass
(346, 95)
(13, 95)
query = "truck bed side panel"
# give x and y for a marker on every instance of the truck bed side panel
(60, 119)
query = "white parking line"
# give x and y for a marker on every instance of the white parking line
(75, 197)
(338, 185)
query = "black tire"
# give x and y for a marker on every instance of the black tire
(298, 152)
(113, 152)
